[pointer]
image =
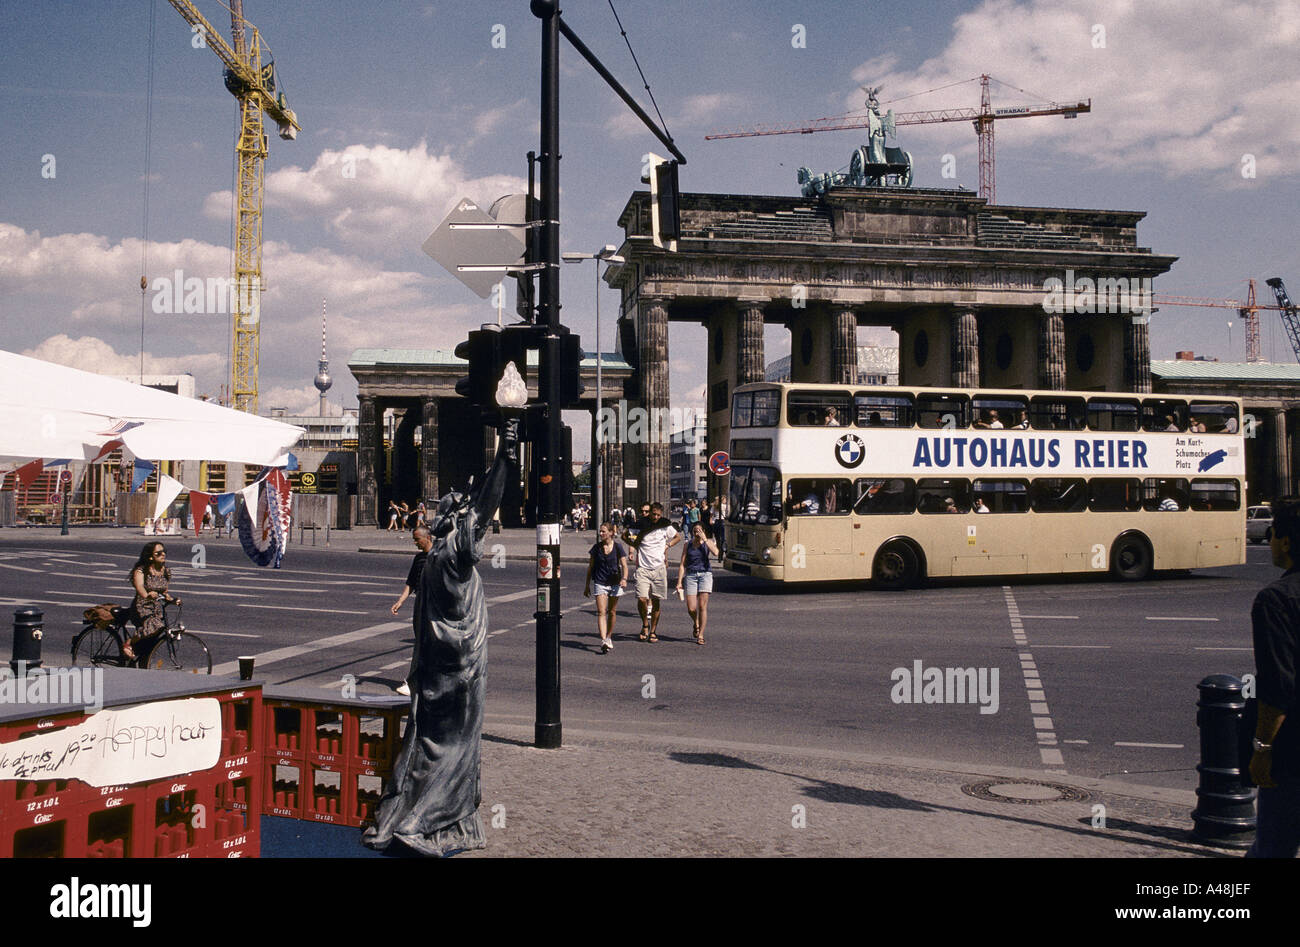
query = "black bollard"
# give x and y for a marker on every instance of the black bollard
(28, 623)
(1225, 808)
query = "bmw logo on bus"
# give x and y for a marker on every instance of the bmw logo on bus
(850, 451)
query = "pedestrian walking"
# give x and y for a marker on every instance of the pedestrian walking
(423, 542)
(607, 571)
(1275, 628)
(394, 514)
(655, 536)
(698, 575)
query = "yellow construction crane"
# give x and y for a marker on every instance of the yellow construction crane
(253, 84)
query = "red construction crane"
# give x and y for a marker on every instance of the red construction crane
(982, 118)
(1247, 310)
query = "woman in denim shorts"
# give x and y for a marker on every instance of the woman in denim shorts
(607, 571)
(698, 576)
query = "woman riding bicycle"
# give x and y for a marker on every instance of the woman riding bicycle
(150, 578)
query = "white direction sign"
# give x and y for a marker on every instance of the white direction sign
(474, 247)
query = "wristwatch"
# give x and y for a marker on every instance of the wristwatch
(1262, 746)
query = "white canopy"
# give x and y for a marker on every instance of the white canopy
(54, 412)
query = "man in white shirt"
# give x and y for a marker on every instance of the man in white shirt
(654, 538)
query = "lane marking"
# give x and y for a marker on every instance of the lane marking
(224, 634)
(1061, 617)
(1176, 618)
(1044, 729)
(1153, 746)
(320, 644)
(1223, 649)
(1096, 647)
(293, 608)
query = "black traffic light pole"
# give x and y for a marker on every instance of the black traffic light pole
(547, 731)
(546, 728)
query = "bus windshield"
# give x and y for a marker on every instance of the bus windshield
(755, 495)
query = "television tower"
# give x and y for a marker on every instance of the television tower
(323, 380)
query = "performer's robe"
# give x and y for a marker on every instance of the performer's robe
(431, 802)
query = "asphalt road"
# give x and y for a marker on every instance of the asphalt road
(1102, 681)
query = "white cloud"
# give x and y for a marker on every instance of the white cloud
(75, 299)
(377, 199)
(95, 355)
(1173, 89)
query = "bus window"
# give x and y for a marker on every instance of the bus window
(1051, 413)
(871, 410)
(1002, 496)
(1059, 495)
(999, 412)
(751, 448)
(1165, 494)
(1164, 414)
(885, 496)
(755, 495)
(943, 496)
(1215, 495)
(942, 411)
(819, 496)
(817, 408)
(755, 409)
(1109, 414)
(1114, 495)
(1215, 417)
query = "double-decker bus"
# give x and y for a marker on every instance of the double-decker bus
(900, 484)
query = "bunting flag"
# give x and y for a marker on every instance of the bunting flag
(141, 473)
(107, 449)
(198, 506)
(28, 473)
(225, 503)
(264, 529)
(292, 463)
(168, 490)
(249, 494)
(62, 462)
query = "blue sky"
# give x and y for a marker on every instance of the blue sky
(417, 98)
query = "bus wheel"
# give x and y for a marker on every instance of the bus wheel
(895, 566)
(1130, 558)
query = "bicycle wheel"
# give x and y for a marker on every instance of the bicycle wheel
(180, 652)
(95, 647)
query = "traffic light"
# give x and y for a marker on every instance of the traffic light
(665, 221)
(631, 354)
(487, 350)
(571, 356)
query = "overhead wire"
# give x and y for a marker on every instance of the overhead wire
(644, 82)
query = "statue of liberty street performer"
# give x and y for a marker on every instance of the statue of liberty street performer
(430, 805)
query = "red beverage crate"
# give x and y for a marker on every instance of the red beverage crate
(247, 845)
(285, 724)
(237, 808)
(240, 726)
(377, 738)
(113, 826)
(21, 792)
(331, 731)
(365, 790)
(326, 795)
(283, 783)
(43, 801)
(170, 826)
(63, 836)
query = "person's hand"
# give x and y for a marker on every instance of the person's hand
(397, 606)
(176, 601)
(622, 583)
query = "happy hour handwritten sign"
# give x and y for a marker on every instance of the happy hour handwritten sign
(122, 746)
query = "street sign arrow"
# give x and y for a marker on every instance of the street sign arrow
(474, 247)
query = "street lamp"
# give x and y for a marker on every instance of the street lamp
(608, 253)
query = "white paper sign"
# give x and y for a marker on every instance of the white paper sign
(123, 746)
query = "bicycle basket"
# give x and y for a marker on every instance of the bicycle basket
(101, 616)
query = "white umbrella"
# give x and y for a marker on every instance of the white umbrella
(54, 412)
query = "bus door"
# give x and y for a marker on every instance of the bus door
(818, 516)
